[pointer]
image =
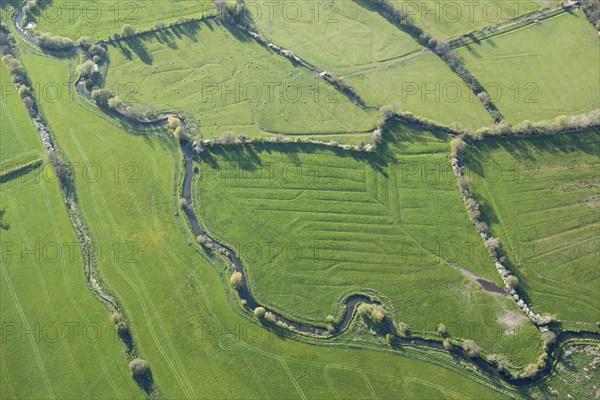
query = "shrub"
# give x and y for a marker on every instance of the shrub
(159, 25)
(236, 279)
(447, 344)
(259, 312)
(182, 202)
(138, 367)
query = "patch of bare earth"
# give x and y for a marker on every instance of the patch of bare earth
(512, 320)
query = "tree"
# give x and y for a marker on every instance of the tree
(102, 96)
(115, 102)
(259, 312)
(269, 316)
(403, 329)
(173, 121)
(471, 348)
(86, 69)
(447, 344)
(441, 329)
(138, 367)
(28, 102)
(236, 279)
(116, 317)
(378, 314)
(128, 30)
(512, 281)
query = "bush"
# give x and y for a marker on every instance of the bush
(259, 312)
(138, 367)
(236, 279)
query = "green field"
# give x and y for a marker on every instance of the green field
(540, 198)
(307, 219)
(540, 71)
(186, 326)
(446, 19)
(19, 142)
(101, 18)
(231, 83)
(336, 36)
(312, 224)
(425, 86)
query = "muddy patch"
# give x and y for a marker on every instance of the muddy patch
(486, 285)
(512, 320)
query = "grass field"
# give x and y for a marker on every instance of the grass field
(230, 83)
(19, 142)
(57, 339)
(540, 71)
(310, 220)
(453, 18)
(540, 198)
(336, 36)
(195, 342)
(101, 18)
(425, 86)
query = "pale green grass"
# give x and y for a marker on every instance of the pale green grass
(540, 71)
(446, 19)
(335, 36)
(103, 18)
(540, 198)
